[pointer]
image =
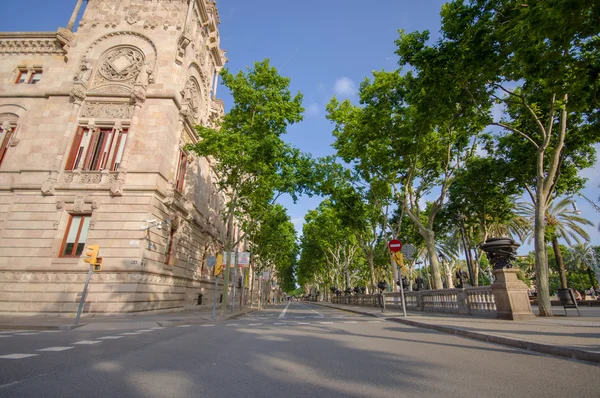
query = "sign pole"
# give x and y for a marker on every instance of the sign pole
(402, 291)
(87, 281)
(234, 281)
(215, 297)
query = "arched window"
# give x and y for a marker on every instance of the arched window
(8, 125)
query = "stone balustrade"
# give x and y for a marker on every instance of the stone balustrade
(468, 301)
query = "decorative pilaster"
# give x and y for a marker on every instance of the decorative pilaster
(137, 99)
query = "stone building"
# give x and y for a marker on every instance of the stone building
(94, 120)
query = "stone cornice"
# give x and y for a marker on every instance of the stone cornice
(46, 43)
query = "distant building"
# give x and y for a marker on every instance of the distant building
(92, 128)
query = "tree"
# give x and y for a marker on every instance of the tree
(562, 221)
(582, 257)
(409, 134)
(540, 61)
(274, 245)
(253, 165)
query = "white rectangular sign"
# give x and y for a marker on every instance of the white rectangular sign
(244, 258)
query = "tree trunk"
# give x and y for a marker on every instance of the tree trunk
(371, 269)
(561, 264)
(225, 289)
(541, 258)
(433, 259)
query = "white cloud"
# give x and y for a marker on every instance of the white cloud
(312, 109)
(344, 87)
(298, 224)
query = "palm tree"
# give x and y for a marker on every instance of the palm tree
(581, 256)
(562, 221)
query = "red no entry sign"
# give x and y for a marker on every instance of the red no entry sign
(395, 245)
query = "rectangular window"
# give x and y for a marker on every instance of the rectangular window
(22, 77)
(97, 149)
(4, 141)
(76, 235)
(35, 77)
(181, 169)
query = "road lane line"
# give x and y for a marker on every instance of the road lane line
(254, 324)
(282, 315)
(350, 322)
(184, 326)
(55, 349)
(206, 325)
(280, 323)
(18, 356)
(110, 337)
(325, 323)
(303, 323)
(87, 342)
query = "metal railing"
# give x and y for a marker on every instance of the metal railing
(468, 301)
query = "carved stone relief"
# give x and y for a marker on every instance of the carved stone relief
(191, 98)
(78, 204)
(121, 65)
(106, 110)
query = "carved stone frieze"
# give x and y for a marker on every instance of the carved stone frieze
(50, 45)
(106, 110)
(133, 14)
(90, 178)
(112, 21)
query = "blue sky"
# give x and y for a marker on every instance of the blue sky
(326, 47)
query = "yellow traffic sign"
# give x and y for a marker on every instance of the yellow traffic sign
(219, 265)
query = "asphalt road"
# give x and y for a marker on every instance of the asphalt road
(295, 350)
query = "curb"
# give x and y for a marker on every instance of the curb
(160, 323)
(555, 350)
(40, 327)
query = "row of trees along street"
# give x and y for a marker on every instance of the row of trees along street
(501, 108)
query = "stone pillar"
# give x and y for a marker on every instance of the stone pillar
(71, 23)
(510, 295)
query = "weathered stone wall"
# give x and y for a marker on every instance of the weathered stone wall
(149, 68)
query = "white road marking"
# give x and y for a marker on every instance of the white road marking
(350, 322)
(325, 323)
(144, 330)
(110, 337)
(51, 331)
(303, 323)
(184, 326)
(254, 324)
(158, 327)
(206, 325)
(88, 342)
(26, 334)
(282, 315)
(18, 356)
(55, 349)
(5, 335)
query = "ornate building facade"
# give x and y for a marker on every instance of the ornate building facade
(93, 123)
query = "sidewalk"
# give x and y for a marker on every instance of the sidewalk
(571, 337)
(117, 321)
